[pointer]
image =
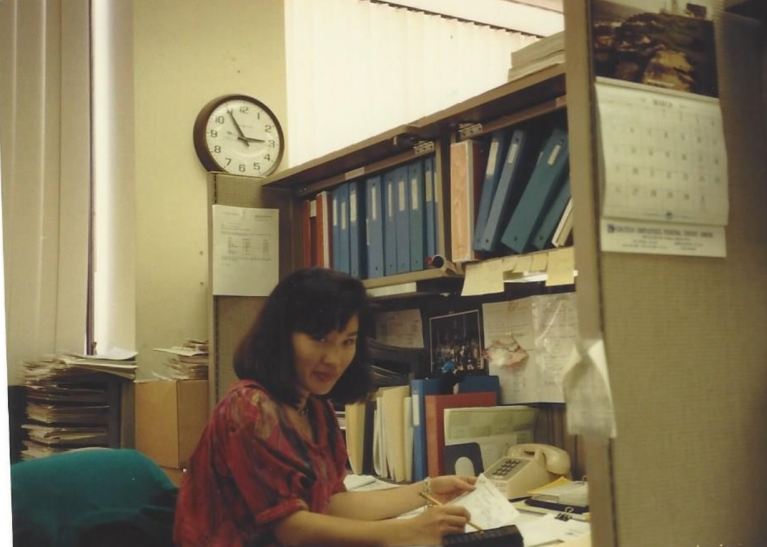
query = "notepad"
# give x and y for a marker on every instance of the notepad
(568, 494)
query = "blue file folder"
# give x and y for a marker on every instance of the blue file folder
(544, 183)
(511, 183)
(341, 252)
(430, 206)
(495, 161)
(417, 217)
(357, 247)
(374, 226)
(545, 231)
(402, 218)
(390, 223)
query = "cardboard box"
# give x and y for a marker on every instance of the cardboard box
(170, 416)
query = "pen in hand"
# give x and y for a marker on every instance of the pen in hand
(433, 501)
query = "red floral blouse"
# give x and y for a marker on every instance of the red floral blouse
(252, 467)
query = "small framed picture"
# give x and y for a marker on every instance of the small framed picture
(457, 337)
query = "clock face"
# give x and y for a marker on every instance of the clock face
(238, 134)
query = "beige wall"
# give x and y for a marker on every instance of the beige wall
(187, 52)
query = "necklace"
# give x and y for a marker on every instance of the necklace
(302, 410)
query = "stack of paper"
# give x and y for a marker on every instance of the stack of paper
(546, 52)
(73, 401)
(187, 362)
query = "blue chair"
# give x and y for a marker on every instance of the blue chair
(90, 497)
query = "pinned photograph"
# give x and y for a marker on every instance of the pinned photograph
(456, 339)
(661, 43)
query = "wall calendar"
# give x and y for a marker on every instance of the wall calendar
(664, 155)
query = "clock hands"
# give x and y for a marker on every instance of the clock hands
(241, 136)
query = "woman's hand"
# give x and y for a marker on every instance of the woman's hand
(434, 522)
(447, 487)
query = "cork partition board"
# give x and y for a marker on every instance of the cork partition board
(686, 345)
(231, 316)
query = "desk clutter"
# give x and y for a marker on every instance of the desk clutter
(503, 523)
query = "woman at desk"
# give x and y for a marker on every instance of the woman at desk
(270, 465)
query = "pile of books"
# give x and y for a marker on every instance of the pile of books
(546, 52)
(188, 361)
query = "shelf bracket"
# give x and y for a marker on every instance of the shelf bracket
(469, 131)
(423, 147)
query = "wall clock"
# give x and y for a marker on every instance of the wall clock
(238, 134)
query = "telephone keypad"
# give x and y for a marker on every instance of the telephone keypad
(505, 468)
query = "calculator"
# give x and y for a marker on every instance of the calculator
(503, 536)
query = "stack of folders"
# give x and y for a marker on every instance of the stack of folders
(382, 224)
(539, 55)
(398, 433)
(525, 199)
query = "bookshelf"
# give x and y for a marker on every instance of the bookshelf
(683, 336)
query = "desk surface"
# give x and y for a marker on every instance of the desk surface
(538, 528)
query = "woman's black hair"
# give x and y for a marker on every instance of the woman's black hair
(314, 301)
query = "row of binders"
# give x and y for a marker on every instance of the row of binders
(381, 225)
(512, 196)
(401, 433)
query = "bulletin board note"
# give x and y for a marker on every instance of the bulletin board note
(245, 254)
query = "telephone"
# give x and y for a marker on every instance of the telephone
(526, 467)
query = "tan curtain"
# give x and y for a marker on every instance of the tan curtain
(358, 68)
(44, 129)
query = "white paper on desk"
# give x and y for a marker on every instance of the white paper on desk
(403, 328)
(487, 506)
(546, 327)
(587, 391)
(664, 155)
(246, 250)
(548, 529)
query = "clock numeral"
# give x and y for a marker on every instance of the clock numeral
(268, 157)
(256, 166)
(244, 109)
(217, 149)
(268, 128)
(220, 119)
(241, 168)
(213, 134)
(272, 144)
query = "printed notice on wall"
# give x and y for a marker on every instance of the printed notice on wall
(246, 259)
(634, 236)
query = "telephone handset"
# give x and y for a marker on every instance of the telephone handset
(526, 467)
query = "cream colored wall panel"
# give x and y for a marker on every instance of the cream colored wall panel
(185, 54)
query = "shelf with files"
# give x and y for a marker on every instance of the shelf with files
(535, 96)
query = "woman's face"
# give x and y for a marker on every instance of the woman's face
(321, 360)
